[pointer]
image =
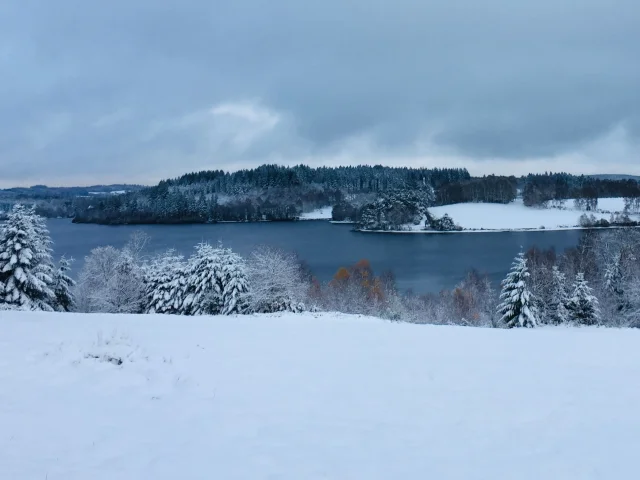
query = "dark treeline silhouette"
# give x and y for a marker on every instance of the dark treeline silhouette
(278, 193)
(266, 193)
(541, 188)
(55, 202)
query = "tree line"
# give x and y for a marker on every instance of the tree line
(595, 283)
(266, 193)
(539, 189)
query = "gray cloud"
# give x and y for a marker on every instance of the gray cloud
(136, 90)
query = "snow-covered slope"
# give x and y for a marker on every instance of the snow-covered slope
(314, 396)
(515, 216)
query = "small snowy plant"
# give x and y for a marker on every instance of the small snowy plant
(583, 305)
(558, 298)
(517, 307)
(25, 262)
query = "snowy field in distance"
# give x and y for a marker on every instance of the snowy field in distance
(312, 396)
(323, 213)
(515, 216)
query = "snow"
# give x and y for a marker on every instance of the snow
(515, 216)
(323, 213)
(312, 396)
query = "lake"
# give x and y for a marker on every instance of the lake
(421, 262)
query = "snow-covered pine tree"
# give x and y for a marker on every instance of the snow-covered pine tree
(203, 290)
(583, 305)
(62, 285)
(45, 269)
(24, 283)
(216, 282)
(558, 298)
(614, 283)
(234, 282)
(164, 283)
(517, 307)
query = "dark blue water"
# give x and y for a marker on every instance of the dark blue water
(421, 262)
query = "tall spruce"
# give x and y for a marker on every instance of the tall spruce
(558, 298)
(517, 307)
(583, 306)
(25, 278)
(234, 282)
(164, 282)
(203, 290)
(63, 285)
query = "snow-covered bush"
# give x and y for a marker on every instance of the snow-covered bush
(517, 307)
(442, 224)
(26, 270)
(276, 282)
(111, 281)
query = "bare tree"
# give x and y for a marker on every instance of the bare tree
(276, 281)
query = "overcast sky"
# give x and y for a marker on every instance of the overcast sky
(137, 90)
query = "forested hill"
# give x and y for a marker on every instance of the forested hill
(363, 178)
(57, 201)
(269, 192)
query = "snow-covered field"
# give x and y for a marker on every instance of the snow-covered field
(313, 396)
(323, 213)
(515, 216)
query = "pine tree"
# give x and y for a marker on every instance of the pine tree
(558, 298)
(216, 282)
(613, 283)
(234, 282)
(613, 277)
(24, 280)
(164, 282)
(62, 285)
(516, 307)
(583, 305)
(203, 289)
(43, 251)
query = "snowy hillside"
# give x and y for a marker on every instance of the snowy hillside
(515, 216)
(314, 396)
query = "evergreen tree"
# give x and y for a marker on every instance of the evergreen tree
(164, 282)
(43, 252)
(62, 285)
(583, 305)
(558, 298)
(203, 289)
(234, 282)
(215, 282)
(516, 308)
(614, 281)
(24, 282)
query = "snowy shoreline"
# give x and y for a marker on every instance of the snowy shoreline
(516, 217)
(503, 230)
